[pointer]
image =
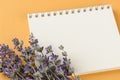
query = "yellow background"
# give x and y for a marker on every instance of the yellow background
(13, 22)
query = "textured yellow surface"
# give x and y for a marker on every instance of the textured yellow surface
(13, 22)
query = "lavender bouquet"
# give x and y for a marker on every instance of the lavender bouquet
(34, 63)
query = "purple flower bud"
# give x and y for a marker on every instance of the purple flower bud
(49, 49)
(16, 41)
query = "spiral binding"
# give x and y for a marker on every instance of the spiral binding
(96, 8)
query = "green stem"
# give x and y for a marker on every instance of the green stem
(20, 76)
(35, 71)
(42, 54)
(63, 76)
(39, 78)
(75, 75)
(61, 73)
(18, 73)
(54, 75)
(47, 76)
(33, 68)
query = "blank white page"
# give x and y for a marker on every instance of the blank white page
(89, 35)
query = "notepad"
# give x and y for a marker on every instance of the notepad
(89, 35)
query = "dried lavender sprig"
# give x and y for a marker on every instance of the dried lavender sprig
(64, 53)
(48, 49)
(49, 68)
(10, 62)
